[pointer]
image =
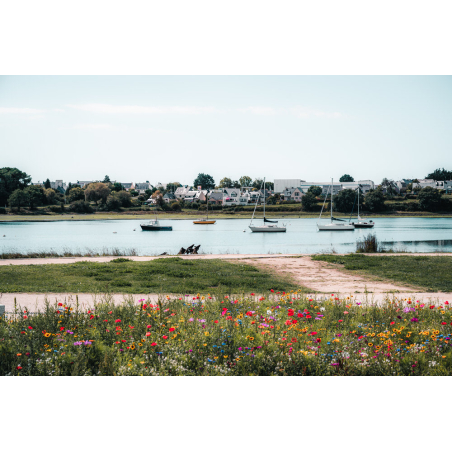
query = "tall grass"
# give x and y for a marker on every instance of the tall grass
(368, 244)
(69, 253)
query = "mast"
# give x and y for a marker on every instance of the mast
(264, 199)
(331, 200)
(207, 200)
(358, 202)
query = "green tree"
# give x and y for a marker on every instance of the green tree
(124, 198)
(258, 182)
(97, 191)
(374, 200)
(315, 190)
(225, 183)
(75, 194)
(246, 181)
(205, 181)
(429, 199)
(113, 202)
(50, 195)
(149, 192)
(18, 198)
(47, 183)
(308, 202)
(345, 200)
(346, 178)
(440, 174)
(106, 180)
(235, 184)
(11, 179)
(36, 195)
(172, 187)
(80, 207)
(117, 186)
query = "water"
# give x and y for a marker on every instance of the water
(225, 237)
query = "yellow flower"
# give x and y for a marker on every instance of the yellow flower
(140, 344)
(251, 338)
(204, 345)
(206, 333)
(225, 356)
(370, 344)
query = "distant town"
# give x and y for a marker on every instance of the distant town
(17, 191)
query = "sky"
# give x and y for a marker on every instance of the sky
(170, 128)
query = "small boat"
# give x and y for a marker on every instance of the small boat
(205, 220)
(154, 225)
(362, 222)
(265, 227)
(334, 226)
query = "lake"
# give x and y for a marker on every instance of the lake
(225, 237)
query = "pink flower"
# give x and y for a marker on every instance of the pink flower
(345, 312)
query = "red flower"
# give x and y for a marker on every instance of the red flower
(299, 314)
(288, 322)
(105, 320)
(131, 327)
(294, 321)
(308, 316)
(392, 323)
(123, 340)
(249, 313)
(294, 339)
(145, 306)
(30, 327)
(252, 294)
(443, 323)
(290, 312)
(148, 326)
(432, 307)
(216, 321)
(271, 290)
(340, 320)
(165, 337)
(409, 302)
(446, 302)
(318, 339)
(118, 321)
(153, 344)
(61, 328)
(19, 367)
(171, 329)
(60, 304)
(313, 333)
(91, 317)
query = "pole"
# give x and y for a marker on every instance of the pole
(264, 199)
(331, 200)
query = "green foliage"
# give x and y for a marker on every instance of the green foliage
(246, 181)
(97, 191)
(50, 196)
(440, 174)
(125, 198)
(308, 202)
(374, 200)
(18, 198)
(117, 186)
(429, 199)
(225, 183)
(315, 190)
(205, 181)
(133, 193)
(175, 206)
(75, 194)
(106, 180)
(47, 183)
(368, 244)
(36, 195)
(345, 199)
(426, 273)
(346, 178)
(80, 207)
(11, 179)
(171, 187)
(113, 202)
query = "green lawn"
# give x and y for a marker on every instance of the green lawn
(166, 275)
(429, 273)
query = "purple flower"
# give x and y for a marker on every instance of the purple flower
(191, 319)
(414, 319)
(87, 343)
(77, 343)
(70, 332)
(240, 349)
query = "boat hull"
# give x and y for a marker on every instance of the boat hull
(204, 222)
(363, 225)
(267, 229)
(336, 227)
(145, 227)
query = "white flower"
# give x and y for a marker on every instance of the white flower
(322, 309)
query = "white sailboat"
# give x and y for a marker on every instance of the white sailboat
(265, 227)
(362, 222)
(333, 226)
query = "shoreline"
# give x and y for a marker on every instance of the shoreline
(189, 216)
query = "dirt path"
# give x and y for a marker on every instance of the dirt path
(318, 276)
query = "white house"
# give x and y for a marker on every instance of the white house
(181, 192)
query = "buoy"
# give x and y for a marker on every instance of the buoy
(114, 232)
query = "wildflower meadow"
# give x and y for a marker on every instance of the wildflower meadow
(277, 334)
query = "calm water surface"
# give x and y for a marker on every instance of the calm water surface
(226, 236)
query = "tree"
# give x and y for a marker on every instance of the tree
(429, 199)
(80, 207)
(375, 200)
(172, 187)
(390, 186)
(97, 191)
(36, 195)
(308, 202)
(50, 195)
(235, 184)
(113, 202)
(75, 194)
(440, 174)
(258, 182)
(106, 180)
(246, 181)
(47, 183)
(225, 183)
(124, 198)
(18, 198)
(205, 181)
(117, 186)
(149, 192)
(315, 190)
(11, 179)
(345, 200)
(346, 178)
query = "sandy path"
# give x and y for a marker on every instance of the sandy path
(318, 276)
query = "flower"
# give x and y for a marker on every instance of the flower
(118, 321)
(30, 327)
(165, 337)
(153, 344)
(171, 329)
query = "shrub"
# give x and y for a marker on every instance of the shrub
(368, 244)
(80, 207)
(175, 206)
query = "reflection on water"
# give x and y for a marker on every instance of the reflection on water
(226, 236)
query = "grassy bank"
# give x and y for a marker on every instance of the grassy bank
(279, 334)
(426, 273)
(168, 275)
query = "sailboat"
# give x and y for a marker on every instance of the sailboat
(205, 220)
(265, 227)
(334, 226)
(362, 222)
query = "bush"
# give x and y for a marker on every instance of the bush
(113, 202)
(368, 244)
(55, 209)
(80, 207)
(2, 211)
(175, 206)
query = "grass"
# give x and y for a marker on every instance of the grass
(275, 334)
(428, 273)
(68, 253)
(166, 275)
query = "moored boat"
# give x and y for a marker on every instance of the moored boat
(154, 225)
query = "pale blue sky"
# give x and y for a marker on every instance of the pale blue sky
(170, 128)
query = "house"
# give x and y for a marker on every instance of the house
(292, 194)
(169, 197)
(141, 187)
(234, 197)
(84, 183)
(216, 197)
(281, 184)
(181, 192)
(128, 186)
